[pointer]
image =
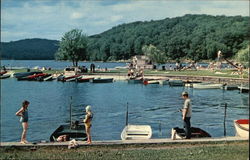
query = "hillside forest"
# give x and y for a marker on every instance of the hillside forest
(194, 37)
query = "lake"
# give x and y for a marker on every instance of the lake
(154, 105)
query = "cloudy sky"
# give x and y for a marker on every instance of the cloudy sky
(50, 19)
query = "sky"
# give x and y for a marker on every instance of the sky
(51, 19)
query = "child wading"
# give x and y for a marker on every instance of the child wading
(23, 112)
(87, 122)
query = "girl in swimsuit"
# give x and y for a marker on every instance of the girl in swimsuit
(87, 122)
(23, 113)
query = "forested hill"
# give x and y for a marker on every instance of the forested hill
(195, 37)
(29, 49)
(191, 36)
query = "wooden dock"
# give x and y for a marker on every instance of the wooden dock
(166, 141)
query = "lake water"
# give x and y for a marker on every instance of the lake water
(151, 104)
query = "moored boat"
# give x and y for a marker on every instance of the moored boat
(176, 83)
(150, 82)
(70, 78)
(244, 88)
(84, 79)
(164, 82)
(76, 131)
(207, 85)
(134, 132)
(242, 128)
(229, 87)
(4, 76)
(135, 80)
(179, 133)
(25, 74)
(102, 80)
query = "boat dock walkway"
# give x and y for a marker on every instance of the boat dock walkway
(166, 141)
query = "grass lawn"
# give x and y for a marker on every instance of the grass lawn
(224, 151)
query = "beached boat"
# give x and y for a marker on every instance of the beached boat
(207, 85)
(35, 77)
(242, 127)
(4, 76)
(102, 80)
(176, 83)
(84, 79)
(133, 132)
(70, 78)
(48, 78)
(179, 133)
(3, 72)
(25, 74)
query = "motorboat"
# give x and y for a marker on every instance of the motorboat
(179, 133)
(242, 128)
(150, 81)
(4, 76)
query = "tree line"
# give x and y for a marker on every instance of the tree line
(195, 37)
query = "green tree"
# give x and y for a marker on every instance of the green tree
(154, 54)
(73, 47)
(243, 56)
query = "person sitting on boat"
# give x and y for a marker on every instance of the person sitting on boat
(63, 138)
(87, 122)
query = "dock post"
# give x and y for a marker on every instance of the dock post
(225, 114)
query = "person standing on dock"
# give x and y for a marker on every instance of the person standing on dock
(186, 114)
(87, 122)
(23, 112)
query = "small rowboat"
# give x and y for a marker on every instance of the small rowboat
(74, 132)
(102, 80)
(179, 133)
(207, 86)
(242, 127)
(135, 132)
(33, 77)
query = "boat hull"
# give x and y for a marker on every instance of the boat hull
(207, 86)
(136, 132)
(99, 80)
(77, 132)
(179, 133)
(242, 128)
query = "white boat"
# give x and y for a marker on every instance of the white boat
(136, 132)
(207, 85)
(242, 128)
(163, 82)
